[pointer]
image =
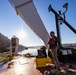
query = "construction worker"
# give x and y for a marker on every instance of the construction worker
(53, 47)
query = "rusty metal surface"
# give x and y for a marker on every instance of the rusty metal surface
(26, 66)
(20, 66)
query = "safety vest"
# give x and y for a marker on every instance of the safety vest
(51, 41)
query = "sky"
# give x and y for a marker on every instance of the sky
(11, 24)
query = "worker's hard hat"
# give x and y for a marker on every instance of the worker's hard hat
(52, 32)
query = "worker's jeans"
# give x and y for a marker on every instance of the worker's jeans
(54, 57)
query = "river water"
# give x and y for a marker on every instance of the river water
(32, 51)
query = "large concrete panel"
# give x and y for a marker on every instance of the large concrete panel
(16, 3)
(31, 17)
